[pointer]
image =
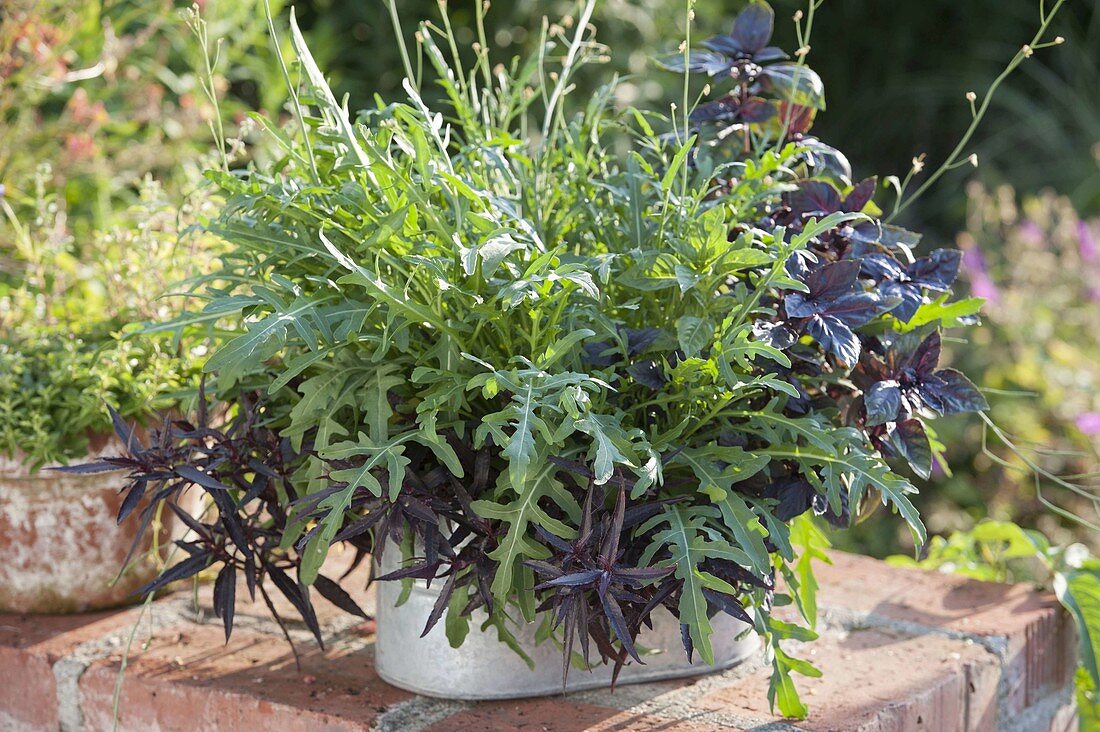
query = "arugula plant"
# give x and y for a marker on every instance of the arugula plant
(575, 363)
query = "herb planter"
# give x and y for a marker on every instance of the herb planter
(61, 545)
(485, 668)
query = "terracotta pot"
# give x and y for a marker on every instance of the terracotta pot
(60, 548)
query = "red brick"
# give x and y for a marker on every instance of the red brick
(189, 679)
(560, 715)
(878, 680)
(29, 646)
(1036, 634)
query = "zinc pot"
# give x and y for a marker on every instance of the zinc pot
(485, 668)
(60, 547)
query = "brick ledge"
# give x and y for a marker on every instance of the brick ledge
(900, 650)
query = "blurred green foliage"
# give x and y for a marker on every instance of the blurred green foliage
(104, 134)
(897, 78)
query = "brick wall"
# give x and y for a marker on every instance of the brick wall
(900, 650)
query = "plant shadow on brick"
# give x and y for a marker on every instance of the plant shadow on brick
(571, 384)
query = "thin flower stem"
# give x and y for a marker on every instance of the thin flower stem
(953, 159)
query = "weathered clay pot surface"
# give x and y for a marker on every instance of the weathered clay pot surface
(60, 548)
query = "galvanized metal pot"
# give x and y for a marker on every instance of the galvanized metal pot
(485, 668)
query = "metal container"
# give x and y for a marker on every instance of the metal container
(485, 668)
(60, 544)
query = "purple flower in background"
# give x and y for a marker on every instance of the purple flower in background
(981, 285)
(1089, 423)
(1031, 231)
(1086, 243)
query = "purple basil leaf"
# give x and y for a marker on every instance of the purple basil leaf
(911, 442)
(840, 520)
(949, 392)
(815, 197)
(769, 54)
(882, 402)
(881, 267)
(936, 271)
(854, 309)
(907, 298)
(835, 337)
(832, 280)
(860, 195)
(639, 339)
(799, 305)
(725, 45)
(752, 29)
(776, 335)
(794, 495)
(647, 373)
(926, 356)
(699, 62)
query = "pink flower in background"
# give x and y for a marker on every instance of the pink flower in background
(1031, 230)
(981, 285)
(1089, 423)
(1086, 243)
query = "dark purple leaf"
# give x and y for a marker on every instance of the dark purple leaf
(698, 62)
(949, 392)
(132, 499)
(752, 29)
(193, 474)
(647, 373)
(440, 605)
(615, 618)
(926, 356)
(937, 271)
(814, 197)
(335, 594)
(225, 592)
(911, 442)
(575, 579)
(794, 496)
(99, 466)
(124, 431)
(860, 195)
(298, 597)
(187, 568)
(882, 402)
(835, 337)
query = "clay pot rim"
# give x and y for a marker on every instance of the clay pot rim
(13, 467)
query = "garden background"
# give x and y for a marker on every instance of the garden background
(106, 125)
